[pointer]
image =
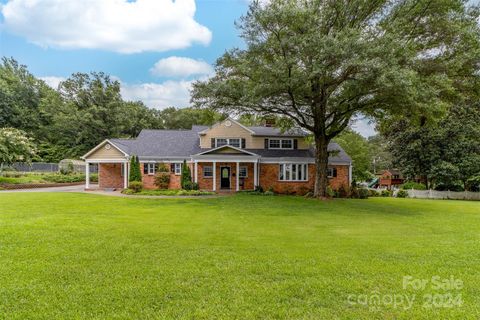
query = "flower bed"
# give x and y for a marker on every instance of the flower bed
(168, 193)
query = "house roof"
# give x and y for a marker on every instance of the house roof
(158, 144)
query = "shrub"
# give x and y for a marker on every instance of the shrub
(259, 189)
(163, 168)
(354, 193)
(413, 185)
(343, 192)
(187, 185)
(136, 186)
(195, 186)
(362, 193)
(162, 180)
(330, 192)
(402, 194)
(373, 193)
(386, 193)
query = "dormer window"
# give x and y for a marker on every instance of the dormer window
(280, 143)
(234, 142)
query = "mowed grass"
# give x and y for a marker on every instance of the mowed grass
(81, 256)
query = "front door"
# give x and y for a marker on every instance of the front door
(225, 177)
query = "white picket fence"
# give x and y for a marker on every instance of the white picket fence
(432, 194)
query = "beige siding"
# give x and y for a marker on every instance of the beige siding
(222, 131)
(237, 131)
(103, 153)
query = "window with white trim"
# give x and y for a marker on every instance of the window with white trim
(329, 172)
(234, 142)
(280, 143)
(150, 168)
(178, 169)
(208, 171)
(293, 172)
(243, 172)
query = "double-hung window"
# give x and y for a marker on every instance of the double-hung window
(149, 168)
(243, 173)
(280, 143)
(234, 142)
(208, 171)
(293, 172)
(177, 169)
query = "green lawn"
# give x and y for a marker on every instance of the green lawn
(76, 256)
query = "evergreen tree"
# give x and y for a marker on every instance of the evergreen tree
(186, 175)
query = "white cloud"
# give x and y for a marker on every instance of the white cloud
(113, 25)
(364, 126)
(180, 67)
(53, 81)
(159, 95)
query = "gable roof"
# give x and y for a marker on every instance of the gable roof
(119, 147)
(240, 151)
(220, 123)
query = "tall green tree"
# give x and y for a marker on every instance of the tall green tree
(319, 63)
(358, 148)
(444, 151)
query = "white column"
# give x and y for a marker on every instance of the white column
(255, 174)
(350, 175)
(236, 175)
(196, 171)
(87, 175)
(125, 175)
(214, 176)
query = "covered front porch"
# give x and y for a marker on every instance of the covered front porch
(226, 169)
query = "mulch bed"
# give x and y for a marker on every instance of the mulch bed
(37, 185)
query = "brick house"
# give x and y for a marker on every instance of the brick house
(227, 156)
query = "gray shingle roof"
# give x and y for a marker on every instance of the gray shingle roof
(157, 144)
(275, 132)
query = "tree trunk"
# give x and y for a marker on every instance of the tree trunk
(321, 164)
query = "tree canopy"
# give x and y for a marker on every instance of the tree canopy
(82, 112)
(319, 63)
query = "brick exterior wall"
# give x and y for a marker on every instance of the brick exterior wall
(207, 183)
(110, 175)
(149, 179)
(269, 179)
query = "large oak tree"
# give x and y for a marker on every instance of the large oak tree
(319, 63)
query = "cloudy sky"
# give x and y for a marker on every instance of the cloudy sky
(156, 48)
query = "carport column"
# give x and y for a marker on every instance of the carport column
(87, 175)
(236, 175)
(214, 176)
(125, 175)
(196, 171)
(255, 174)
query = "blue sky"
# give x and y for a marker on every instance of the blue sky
(156, 48)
